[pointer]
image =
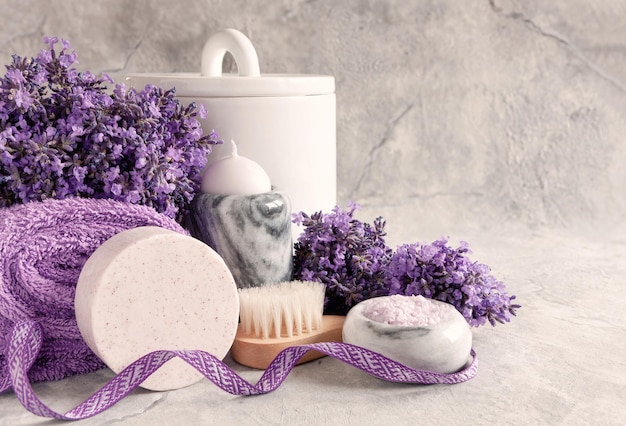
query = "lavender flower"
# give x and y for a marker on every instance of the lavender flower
(440, 272)
(347, 255)
(352, 259)
(63, 134)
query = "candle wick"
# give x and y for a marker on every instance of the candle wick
(233, 148)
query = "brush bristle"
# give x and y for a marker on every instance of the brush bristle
(286, 308)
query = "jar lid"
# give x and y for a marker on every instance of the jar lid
(233, 85)
(248, 82)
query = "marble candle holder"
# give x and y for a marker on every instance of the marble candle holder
(252, 233)
(443, 347)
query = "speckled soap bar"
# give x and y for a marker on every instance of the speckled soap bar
(148, 289)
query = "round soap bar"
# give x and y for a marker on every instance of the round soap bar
(442, 347)
(148, 289)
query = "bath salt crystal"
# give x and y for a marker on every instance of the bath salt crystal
(406, 310)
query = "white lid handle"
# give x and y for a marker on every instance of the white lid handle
(238, 45)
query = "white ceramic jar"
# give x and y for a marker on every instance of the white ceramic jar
(284, 122)
(443, 347)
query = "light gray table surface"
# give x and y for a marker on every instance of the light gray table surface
(560, 361)
(495, 115)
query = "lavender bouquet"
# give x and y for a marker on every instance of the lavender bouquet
(441, 272)
(62, 133)
(347, 255)
(352, 259)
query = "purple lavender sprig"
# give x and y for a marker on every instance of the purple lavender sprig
(347, 255)
(354, 262)
(440, 272)
(62, 133)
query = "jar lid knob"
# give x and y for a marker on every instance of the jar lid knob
(239, 46)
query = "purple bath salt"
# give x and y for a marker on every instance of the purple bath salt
(407, 310)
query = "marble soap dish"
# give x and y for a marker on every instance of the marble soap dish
(441, 345)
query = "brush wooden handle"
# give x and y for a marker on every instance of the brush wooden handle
(257, 352)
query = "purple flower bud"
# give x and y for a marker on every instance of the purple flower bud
(351, 258)
(62, 133)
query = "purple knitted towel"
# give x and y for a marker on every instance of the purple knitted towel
(43, 246)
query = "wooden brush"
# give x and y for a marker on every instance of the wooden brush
(276, 316)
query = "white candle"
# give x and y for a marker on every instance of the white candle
(235, 175)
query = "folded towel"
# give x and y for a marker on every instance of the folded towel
(43, 246)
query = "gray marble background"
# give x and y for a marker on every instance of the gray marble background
(450, 115)
(501, 122)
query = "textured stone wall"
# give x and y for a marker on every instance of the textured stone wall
(451, 114)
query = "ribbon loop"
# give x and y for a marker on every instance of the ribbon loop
(26, 340)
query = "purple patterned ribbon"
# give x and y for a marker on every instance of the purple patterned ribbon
(26, 340)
